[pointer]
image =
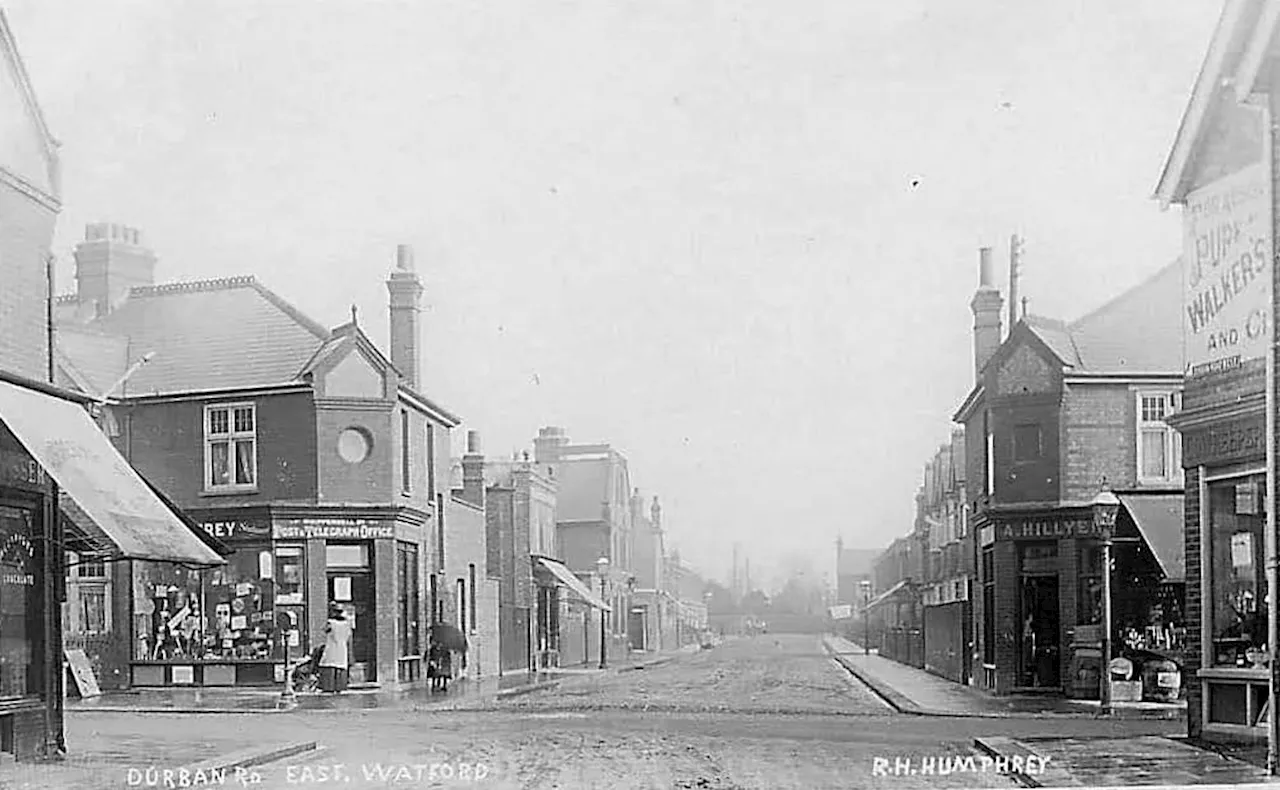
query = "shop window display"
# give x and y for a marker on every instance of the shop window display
(1235, 574)
(21, 627)
(218, 614)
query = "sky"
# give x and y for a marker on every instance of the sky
(735, 240)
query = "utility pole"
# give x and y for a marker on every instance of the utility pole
(1015, 268)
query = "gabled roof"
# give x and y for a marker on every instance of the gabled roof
(1237, 25)
(212, 334)
(11, 62)
(1138, 331)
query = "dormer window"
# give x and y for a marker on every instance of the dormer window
(231, 447)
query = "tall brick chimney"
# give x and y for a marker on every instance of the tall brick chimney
(109, 262)
(986, 305)
(473, 471)
(405, 291)
(549, 445)
(655, 514)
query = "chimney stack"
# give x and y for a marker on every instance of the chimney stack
(405, 305)
(549, 445)
(473, 471)
(986, 306)
(655, 514)
(110, 262)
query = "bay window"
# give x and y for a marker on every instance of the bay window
(231, 446)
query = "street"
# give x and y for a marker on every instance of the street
(768, 712)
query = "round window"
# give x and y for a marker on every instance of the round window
(353, 445)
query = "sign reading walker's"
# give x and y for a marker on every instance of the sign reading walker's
(1227, 251)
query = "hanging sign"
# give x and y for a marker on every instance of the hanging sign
(1226, 261)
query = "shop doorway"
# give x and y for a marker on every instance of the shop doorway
(1039, 648)
(354, 591)
(636, 622)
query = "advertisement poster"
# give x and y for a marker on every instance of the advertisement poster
(1227, 251)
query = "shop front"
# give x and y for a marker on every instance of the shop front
(1226, 501)
(1041, 595)
(52, 451)
(241, 624)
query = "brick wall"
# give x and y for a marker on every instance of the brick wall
(465, 546)
(1098, 440)
(26, 232)
(1006, 614)
(165, 442)
(376, 478)
(582, 544)
(1068, 606)
(1193, 608)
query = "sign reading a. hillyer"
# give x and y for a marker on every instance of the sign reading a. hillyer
(1227, 270)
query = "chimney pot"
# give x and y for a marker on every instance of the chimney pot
(404, 257)
(985, 273)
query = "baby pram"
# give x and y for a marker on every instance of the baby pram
(306, 673)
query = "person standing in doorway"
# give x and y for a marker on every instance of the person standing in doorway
(335, 662)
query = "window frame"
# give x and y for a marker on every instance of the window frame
(1172, 444)
(1017, 450)
(232, 437)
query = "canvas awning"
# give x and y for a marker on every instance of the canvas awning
(893, 592)
(1159, 518)
(566, 577)
(64, 440)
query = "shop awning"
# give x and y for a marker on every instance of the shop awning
(1159, 517)
(567, 578)
(64, 440)
(893, 592)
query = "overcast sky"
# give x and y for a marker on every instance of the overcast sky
(737, 240)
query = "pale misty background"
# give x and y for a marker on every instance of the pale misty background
(737, 240)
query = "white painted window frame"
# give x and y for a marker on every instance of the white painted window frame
(1172, 439)
(232, 436)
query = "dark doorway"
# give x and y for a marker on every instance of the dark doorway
(636, 628)
(1039, 633)
(353, 591)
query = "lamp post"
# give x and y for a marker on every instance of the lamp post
(865, 584)
(602, 568)
(1105, 508)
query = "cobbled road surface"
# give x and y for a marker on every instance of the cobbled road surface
(769, 712)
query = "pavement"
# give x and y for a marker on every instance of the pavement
(1111, 762)
(466, 692)
(915, 691)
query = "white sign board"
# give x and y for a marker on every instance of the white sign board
(1227, 251)
(842, 612)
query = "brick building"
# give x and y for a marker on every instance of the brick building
(62, 484)
(309, 452)
(650, 623)
(688, 590)
(853, 567)
(1218, 172)
(1060, 412)
(520, 513)
(948, 564)
(593, 522)
(896, 612)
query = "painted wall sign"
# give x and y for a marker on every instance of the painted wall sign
(1237, 440)
(15, 561)
(1049, 527)
(1227, 250)
(332, 529)
(236, 530)
(21, 470)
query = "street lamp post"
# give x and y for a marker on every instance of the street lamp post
(866, 616)
(1105, 508)
(602, 567)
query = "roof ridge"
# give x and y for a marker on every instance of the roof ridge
(189, 286)
(286, 307)
(1113, 301)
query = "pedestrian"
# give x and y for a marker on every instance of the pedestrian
(335, 661)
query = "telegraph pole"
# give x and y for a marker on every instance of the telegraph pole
(1015, 268)
(1271, 111)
